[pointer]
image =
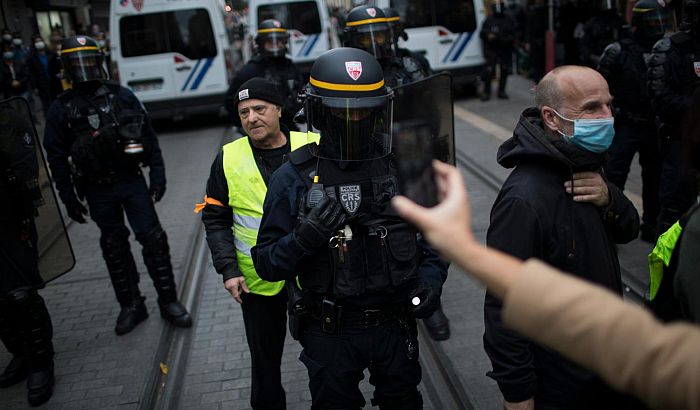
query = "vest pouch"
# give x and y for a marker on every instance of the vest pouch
(316, 277)
(402, 246)
(349, 272)
(376, 259)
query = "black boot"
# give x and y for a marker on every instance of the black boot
(125, 280)
(130, 316)
(40, 386)
(14, 373)
(156, 256)
(11, 335)
(438, 325)
(37, 334)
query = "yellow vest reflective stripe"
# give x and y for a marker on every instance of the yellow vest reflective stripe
(246, 193)
(660, 257)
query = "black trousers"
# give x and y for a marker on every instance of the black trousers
(265, 319)
(678, 190)
(504, 60)
(336, 364)
(630, 138)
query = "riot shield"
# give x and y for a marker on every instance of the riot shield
(34, 245)
(423, 130)
(428, 102)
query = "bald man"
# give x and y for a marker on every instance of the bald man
(557, 206)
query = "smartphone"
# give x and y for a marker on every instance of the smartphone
(414, 147)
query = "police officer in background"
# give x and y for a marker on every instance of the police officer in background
(602, 29)
(25, 324)
(327, 219)
(396, 28)
(97, 138)
(270, 61)
(498, 34)
(231, 214)
(673, 76)
(624, 67)
(366, 28)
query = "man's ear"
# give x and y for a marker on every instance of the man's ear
(548, 118)
(279, 112)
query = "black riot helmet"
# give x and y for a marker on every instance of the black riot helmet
(651, 21)
(393, 20)
(82, 60)
(272, 38)
(692, 15)
(366, 28)
(347, 103)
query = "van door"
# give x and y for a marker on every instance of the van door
(171, 54)
(445, 31)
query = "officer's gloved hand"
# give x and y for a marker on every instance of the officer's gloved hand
(428, 300)
(76, 211)
(156, 191)
(318, 226)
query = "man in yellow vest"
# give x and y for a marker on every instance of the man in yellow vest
(231, 214)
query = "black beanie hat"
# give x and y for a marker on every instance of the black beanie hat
(258, 88)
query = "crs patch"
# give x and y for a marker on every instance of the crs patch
(350, 197)
(243, 95)
(696, 66)
(81, 40)
(354, 69)
(372, 12)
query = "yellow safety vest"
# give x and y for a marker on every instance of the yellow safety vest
(246, 193)
(660, 257)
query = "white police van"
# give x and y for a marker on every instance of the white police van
(311, 31)
(173, 54)
(446, 32)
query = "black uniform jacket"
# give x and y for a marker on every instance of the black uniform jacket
(279, 256)
(533, 216)
(58, 140)
(218, 220)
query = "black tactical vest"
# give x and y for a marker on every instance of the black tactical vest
(376, 252)
(631, 94)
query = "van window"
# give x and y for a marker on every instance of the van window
(302, 15)
(456, 16)
(187, 32)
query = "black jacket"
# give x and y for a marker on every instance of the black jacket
(18, 72)
(278, 255)
(218, 220)
(59, 139)
(533, 216)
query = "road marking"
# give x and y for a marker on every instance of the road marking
(502, 134)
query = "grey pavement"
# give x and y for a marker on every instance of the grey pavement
(97, 369)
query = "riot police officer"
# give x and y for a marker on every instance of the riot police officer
(25, 325)
(366, 28)
(101, 131)
(624, 67)
(673, 77)
(327, 219)
(369, 29)
(600, 30)
(498, 34)
(270, 62)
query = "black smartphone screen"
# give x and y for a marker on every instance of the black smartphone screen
(413, 145)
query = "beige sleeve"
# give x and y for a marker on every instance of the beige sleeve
(621, 342)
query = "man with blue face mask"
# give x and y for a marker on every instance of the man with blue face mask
(557, 206)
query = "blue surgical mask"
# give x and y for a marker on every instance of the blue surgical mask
(593, 134)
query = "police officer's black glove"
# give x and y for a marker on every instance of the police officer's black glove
(318, 226)
(156, 191)
(428, 300)
(76, 210)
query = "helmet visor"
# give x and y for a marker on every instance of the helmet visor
(351, 129)
(375, 39)
(84, 65)
(274, 43)
(657, 22)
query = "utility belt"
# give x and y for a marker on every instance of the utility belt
(107, 178)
